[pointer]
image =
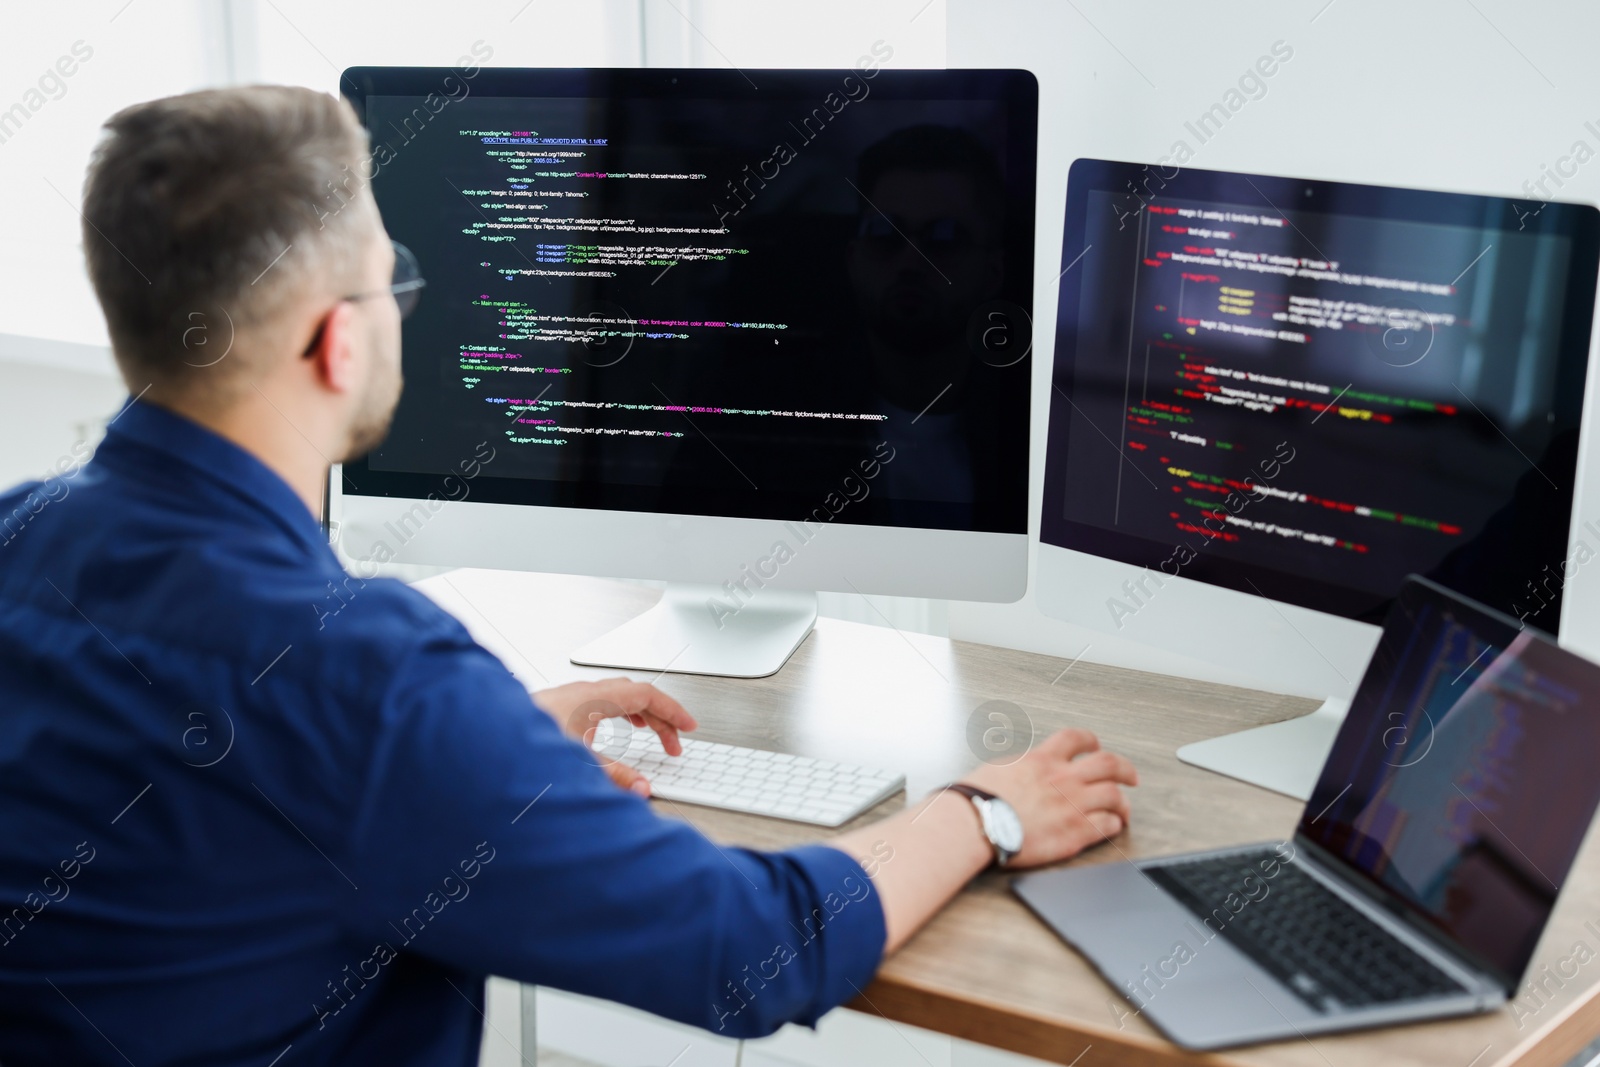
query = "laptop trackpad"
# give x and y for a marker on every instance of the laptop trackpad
(1174, 969)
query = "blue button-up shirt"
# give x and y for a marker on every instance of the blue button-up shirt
(234, 823)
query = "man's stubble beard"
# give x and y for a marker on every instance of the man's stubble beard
(375, 414)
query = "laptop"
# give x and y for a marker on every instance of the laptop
(1423, 870)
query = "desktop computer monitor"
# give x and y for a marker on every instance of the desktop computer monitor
(1274, 399)
(752, 333)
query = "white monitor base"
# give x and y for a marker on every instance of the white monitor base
(1285, 757)
(695, 629)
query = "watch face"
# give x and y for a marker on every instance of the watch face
(1005, 826)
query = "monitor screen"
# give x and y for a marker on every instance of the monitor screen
(749, 294)
(1462, 782)
(1308, 390)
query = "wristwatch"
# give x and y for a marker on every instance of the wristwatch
(1000, 822)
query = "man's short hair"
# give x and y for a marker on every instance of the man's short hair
(207, 213)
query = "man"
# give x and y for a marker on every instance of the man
(233, 828)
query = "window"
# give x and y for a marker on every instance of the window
(67, 68)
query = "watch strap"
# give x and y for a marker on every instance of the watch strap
(971, 791)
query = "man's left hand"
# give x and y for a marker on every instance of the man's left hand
(580, 708)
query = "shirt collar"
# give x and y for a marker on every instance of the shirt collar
(209, 455)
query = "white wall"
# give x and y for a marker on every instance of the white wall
(1439, 94)
(818, 33)
(308, 42)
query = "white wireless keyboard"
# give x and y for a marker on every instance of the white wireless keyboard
(750, 779)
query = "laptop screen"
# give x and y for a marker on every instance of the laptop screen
(1463, 780)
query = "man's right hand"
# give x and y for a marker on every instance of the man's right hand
(1067, 792)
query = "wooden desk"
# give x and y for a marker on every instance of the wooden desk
(986, 970)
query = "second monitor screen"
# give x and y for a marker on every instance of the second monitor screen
(750, 307)
(1310, 403)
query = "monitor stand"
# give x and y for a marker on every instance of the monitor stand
(1285, 757)
(695, 629)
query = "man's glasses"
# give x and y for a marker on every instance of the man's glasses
(937, 237)
(406, 288)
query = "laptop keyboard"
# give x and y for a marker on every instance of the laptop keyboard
(1304, 934)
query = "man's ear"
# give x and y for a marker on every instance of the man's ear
(333, 353)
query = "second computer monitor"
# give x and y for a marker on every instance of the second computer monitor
(1275, 398)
